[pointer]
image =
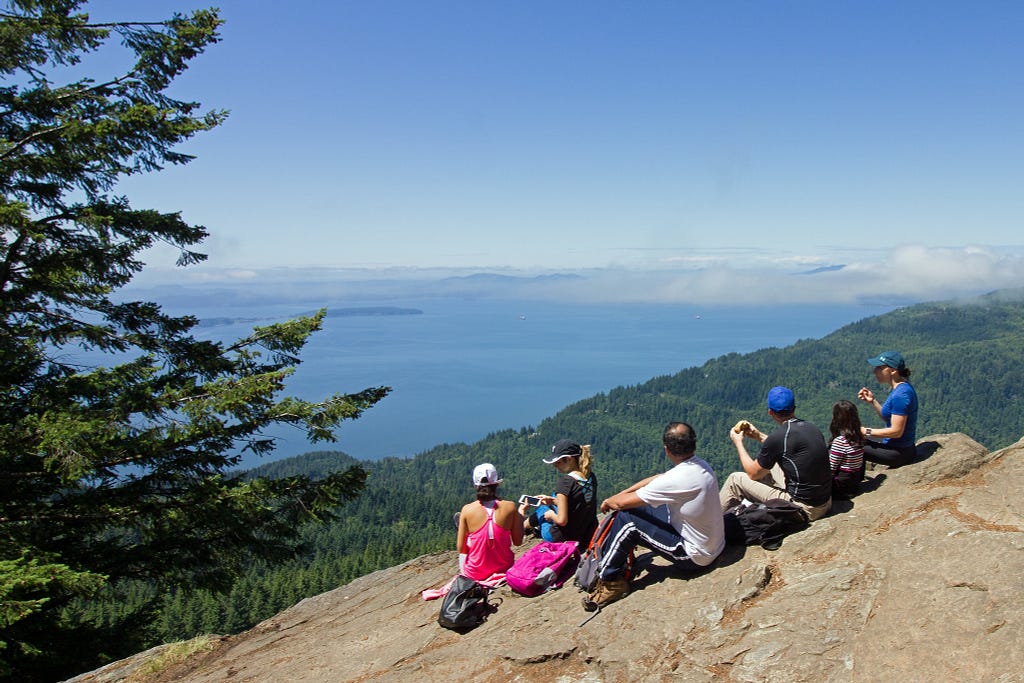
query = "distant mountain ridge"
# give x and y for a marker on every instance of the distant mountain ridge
(477, 278)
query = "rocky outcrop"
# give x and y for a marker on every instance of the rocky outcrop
(918, 579)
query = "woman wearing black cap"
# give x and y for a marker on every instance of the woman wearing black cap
(895, 444)
(570, 514)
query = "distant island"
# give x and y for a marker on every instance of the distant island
(331, 313)
(371, 310)
(217, 322)
(823, 269)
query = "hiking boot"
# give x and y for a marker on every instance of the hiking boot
(606, 591)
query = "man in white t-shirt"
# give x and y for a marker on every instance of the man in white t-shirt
(676, 514)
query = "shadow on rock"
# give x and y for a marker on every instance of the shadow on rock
(870, 484)
(649, 568)
(925, 450)
(840, 506)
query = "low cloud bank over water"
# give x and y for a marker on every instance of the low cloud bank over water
(906, 274)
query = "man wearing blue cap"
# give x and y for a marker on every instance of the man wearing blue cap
(796, 451)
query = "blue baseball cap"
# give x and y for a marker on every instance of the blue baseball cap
(780, 399)
(891, 359)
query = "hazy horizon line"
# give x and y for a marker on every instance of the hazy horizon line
(910, 273)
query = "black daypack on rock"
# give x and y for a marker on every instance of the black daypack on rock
(465, 605)
(764, 524)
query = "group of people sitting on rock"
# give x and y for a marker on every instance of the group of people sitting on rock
(679, 514)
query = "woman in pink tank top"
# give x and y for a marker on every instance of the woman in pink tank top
(488, 528)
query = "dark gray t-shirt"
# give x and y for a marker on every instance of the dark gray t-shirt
(800, 450)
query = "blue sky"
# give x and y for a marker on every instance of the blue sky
(676, 149)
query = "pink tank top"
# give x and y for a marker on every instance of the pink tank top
(488, 549)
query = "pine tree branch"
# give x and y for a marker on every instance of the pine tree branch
(31, 137)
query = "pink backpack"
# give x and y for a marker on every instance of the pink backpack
(544, 567)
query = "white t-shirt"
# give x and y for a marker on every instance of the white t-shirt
(690, 490)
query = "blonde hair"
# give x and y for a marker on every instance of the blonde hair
(584, 460)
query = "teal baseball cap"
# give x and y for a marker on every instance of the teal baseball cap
(891, 359)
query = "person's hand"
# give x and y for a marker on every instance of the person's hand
(546, 500)
(866, 395)
(605, 507)
(747, 428)
(736, 437)
(522, 509)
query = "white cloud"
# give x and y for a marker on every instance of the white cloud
(917, 272)
(906, 274)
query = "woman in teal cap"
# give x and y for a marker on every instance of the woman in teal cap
(893, 445)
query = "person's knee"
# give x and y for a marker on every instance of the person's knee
(622, 518)
(817, 512)
(734, 482)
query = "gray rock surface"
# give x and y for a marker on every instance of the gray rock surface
(918, 579)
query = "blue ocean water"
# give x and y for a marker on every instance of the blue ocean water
(465, 368)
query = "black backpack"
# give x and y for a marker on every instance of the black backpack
(764, 524)
(465, 605)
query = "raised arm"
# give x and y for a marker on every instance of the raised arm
(868, 397)
(749, 465)
(627, 498)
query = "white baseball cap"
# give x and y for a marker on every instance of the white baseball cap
(485, 474)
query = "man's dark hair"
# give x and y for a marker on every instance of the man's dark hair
(679, 438)
(785, 414)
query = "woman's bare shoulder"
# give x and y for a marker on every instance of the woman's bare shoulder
(470, 507)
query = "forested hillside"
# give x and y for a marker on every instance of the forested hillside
(966, 361)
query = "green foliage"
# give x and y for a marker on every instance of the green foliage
(26, 586)
(121, 475)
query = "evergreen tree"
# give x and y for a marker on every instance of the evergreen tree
(122, 473)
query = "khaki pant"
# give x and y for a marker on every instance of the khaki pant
(739, 486)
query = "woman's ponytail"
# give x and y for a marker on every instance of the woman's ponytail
(585, 460)
(486, 492)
